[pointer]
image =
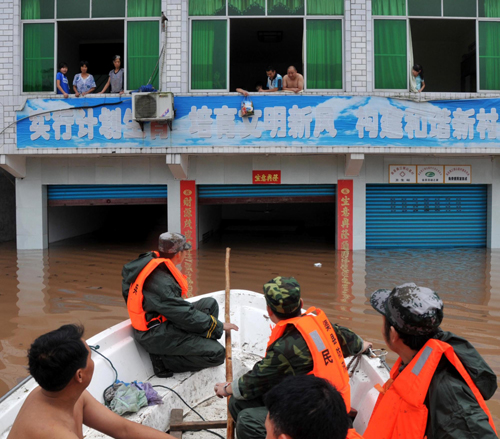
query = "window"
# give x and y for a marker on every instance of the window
(38, 65)
(324, 54)
(389, 7)
(489, 55)
(307, 35)
(208, 55)
(390, 54)
(489, 8)
(68, 33)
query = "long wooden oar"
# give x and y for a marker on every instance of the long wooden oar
(229, 353)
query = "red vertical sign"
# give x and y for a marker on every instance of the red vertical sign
(188, 211)
(344, 214)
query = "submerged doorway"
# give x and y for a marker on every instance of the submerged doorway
(259, 43)
(446, 49)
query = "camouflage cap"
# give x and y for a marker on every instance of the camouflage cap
(172, 243)
(410, 309)
(282, 295)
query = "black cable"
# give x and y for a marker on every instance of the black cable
(190, 408)
(94, 349)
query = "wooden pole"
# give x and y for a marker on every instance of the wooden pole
(229, 353)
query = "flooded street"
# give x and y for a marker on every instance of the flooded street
(79, 280)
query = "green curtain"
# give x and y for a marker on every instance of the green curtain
(390, 54)
(389, 7)
(489, 8)
(207, 7)
(325, 7)
(108, 8)
(37, 9)
(489, 55)
(324, 54)
(285, 7)
(247, 7)
(143, 8)
(143, 50)
(38, 57)
(208, 55)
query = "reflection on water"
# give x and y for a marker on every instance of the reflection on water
(79, 280)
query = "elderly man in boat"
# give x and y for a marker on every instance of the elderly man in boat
(439, 384)
(300, 344)
(60, 362)
(304, 407)
(180, 336)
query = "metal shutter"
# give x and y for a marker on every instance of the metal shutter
(429, 216)
(263, 193)
(106, 194)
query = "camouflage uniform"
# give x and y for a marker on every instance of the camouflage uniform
(453, 411)
(289, 355)
(187, 340)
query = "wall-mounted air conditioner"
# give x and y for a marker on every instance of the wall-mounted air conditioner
(153, 106)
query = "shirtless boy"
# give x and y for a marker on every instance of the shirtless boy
(293, 81)
(61, 364)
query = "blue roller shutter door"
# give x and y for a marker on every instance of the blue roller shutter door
(426, 216)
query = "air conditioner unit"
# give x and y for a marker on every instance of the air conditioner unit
(153, 106)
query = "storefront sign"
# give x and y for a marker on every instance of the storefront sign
(456, 174)
(403, 174)
(188, 211)
(279, 120)
(266, 177)
(189, 269)
(430, 174)
(344, 214)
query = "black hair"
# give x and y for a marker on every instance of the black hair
(62, 65)
(117, 57)
(84, 63)
(54, 358)
(418, 68)
(414, 342)
(307, 407)
(270, 69)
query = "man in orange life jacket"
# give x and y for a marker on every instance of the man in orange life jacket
(180, 336)
(299, 345)
(439, 383)
(307, 407)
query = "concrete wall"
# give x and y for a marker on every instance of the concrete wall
(7, 207)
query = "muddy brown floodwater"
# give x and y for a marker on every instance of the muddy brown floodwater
(79, 280)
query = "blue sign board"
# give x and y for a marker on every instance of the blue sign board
(279, 120)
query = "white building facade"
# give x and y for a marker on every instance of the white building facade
(357, 153)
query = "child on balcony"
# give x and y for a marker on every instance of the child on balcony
(418, 84)
(62, 80)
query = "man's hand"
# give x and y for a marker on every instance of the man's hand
(366, 345)
(221, 390)
(229, 327)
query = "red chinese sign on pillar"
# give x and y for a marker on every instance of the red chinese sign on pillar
(188, 211)
(344, 279)
(344, 214)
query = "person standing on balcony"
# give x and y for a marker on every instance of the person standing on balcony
(62, 80)
(293, 81)
(418, 73)
(83, 83)
(116, 77)
(274, 81)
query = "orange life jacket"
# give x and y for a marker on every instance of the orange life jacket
(135, 295)
(400, 411)
(325, 349)
(353, 434)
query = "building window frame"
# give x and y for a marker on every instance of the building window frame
(125, 19)
(477, 19)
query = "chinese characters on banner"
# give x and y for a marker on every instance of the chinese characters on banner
(188, 227)
(189, 269)
(457, 174)
(344, 278)
(344, 214)
(266, 177)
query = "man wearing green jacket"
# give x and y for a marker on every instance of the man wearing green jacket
(180, 336)
(439, 384)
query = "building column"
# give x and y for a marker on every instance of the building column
(493, 238)
(174, 206)
(359, 212)
(31, 215)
